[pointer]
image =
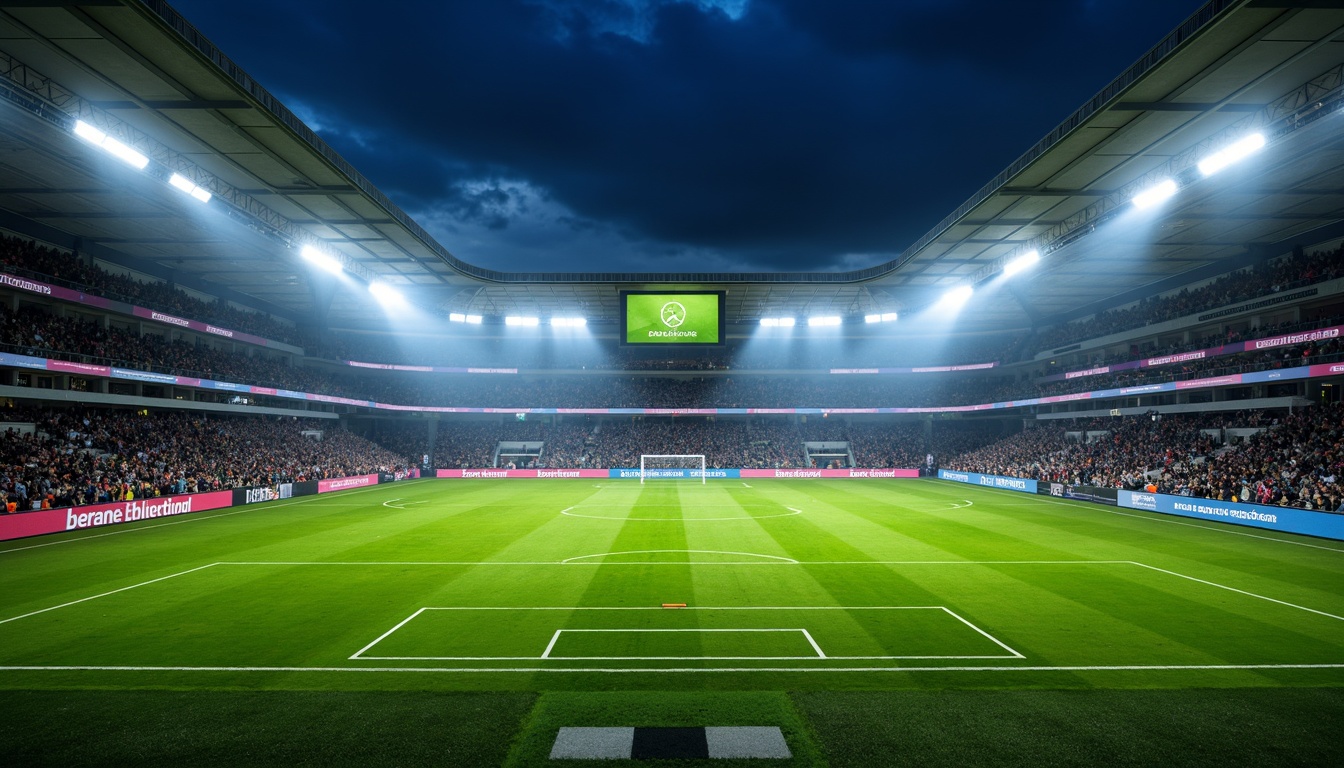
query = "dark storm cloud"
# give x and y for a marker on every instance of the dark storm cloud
(704, 134)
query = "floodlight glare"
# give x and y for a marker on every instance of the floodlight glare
(125, 154)
(184, 184)
(872, 318)
(473, 319)
(456, 317)
(323, 260)
(823, 321)
(110, 145)
(520, 320)
(569, 322)
(1021, 262)
(889, 317)
(1233, 153)
(956, 297)
(1154, 194)
(87, 132)
(386, 294)
(778, 322)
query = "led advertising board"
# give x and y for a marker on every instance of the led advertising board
(672, 318)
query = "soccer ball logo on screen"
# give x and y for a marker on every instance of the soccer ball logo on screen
(673, 314)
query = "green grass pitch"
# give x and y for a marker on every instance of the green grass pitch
(858, 615)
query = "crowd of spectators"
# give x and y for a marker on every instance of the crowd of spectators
(1308, 353)
(756, 354)
(753, 443)
(1295, 460)
(58, 267)
(1298, 269)
(1311, 319)
(91, 455)
(1282, 274)
(33, 331)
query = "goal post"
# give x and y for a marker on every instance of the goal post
(650, 463)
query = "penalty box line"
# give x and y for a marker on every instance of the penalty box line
(546, 654)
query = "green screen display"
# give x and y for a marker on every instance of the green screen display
(672, 318)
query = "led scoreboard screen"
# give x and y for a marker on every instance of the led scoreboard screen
(672, 317)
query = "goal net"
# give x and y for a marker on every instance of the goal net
(660, 467)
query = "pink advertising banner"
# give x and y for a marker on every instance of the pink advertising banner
(78, 518)
(516, 473)
(829, 473)
(342, 483)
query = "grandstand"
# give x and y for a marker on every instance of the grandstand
(1107, 488)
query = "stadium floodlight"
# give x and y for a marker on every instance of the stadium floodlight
(778, 322)
(823, 321)
(956, 297)
(110, 145)
(1155, 194)
(182, 183)
(90, 134)
(889, 317)
(1021, 262)
(456, 317)
(322, 259)
(473, 319)
(569, 322)
(1233, 153)
(385, 293)
(872, 318)
(522, 320)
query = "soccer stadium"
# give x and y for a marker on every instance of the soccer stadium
(289, 480)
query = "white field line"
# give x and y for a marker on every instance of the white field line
(813, 643)
(788, 560)
(105, 594)
(672, 670)
(1216, 527)
(694, 608)
(399, 625)
(547, 653)
(568, 513)
(390, 505)
(693, 629)
(683, 658)
(185, 519)
(673, 506)
(744, 485)
(1239, 591)
(990, 637)
(781, 561)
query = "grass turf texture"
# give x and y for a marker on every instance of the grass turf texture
(904, 586)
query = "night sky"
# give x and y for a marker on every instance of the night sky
(682, 135)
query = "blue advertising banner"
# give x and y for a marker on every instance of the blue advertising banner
(991, 481)
(670, 473)
(22, 361)
(1287, 519)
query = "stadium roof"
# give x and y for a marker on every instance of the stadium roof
(138, 71)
